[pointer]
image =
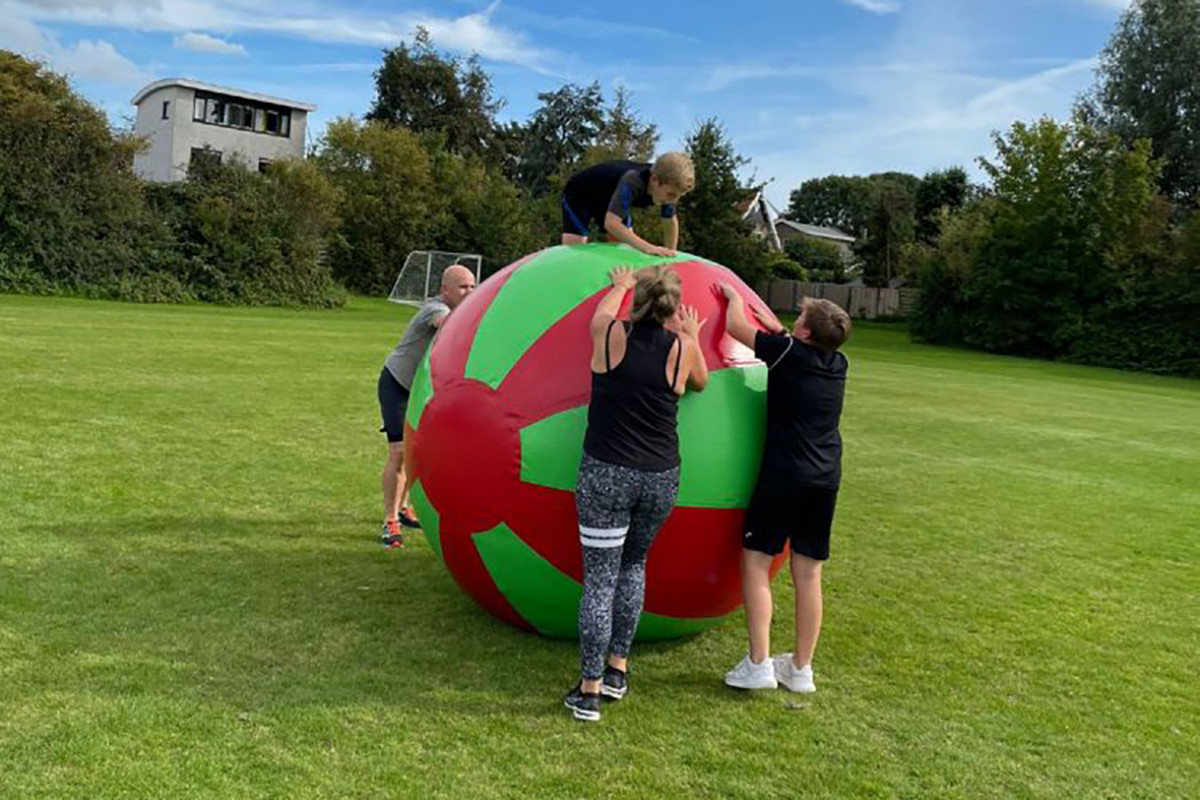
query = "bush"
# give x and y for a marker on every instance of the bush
(72, 214)
(783, 268)
(246, 238)
(817, 257)
(1071, 256)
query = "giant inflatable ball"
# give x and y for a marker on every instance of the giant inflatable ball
(496, 421)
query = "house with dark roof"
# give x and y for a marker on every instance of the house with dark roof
(786, 229)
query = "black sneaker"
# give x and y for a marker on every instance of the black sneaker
(615, 683)
(407, 519)
(584, 706)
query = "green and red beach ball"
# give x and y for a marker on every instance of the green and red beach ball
(496, 421)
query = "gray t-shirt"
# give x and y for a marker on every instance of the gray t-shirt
(405, 359)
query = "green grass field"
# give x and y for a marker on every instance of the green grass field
(192, 604)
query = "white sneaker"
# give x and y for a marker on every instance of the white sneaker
(791, 677)
(748, 675)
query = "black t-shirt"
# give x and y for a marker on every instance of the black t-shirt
(615, 186)
(805, 388)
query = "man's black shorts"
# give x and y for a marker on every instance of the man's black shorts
(783, 511)
(393, 405)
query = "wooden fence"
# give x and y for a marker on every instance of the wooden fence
(861, 302)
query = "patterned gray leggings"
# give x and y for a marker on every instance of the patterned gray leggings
(620, 512)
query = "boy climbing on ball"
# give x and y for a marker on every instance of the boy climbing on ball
(798, 480)
(608, 193)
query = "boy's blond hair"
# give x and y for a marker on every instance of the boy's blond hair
(675, 169)
(828, 324)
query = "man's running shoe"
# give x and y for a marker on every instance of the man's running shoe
(408, 519)
(391, 535)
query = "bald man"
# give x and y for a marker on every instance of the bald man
(395, 381)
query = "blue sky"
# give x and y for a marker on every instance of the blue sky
(805, 88)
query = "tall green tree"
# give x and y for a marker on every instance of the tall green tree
(386, 179)
(1067, 200)
(561, 130)
(947, 189)
(1148, 87)
(890, 228)
(624, 134)
(711, 222)
(428, 91)
(836, 201)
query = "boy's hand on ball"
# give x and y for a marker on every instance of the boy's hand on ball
(725, 289)
(768, 320)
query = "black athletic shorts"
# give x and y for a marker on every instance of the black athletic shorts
(576, 219)
(783, 511)
(393, 405)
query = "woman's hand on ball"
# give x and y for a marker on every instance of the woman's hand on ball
(622, 278)
(690, 322)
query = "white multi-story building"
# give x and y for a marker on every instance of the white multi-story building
(184, 120)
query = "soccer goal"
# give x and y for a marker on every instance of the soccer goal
(421, 276)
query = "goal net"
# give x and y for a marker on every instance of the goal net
(421, 276)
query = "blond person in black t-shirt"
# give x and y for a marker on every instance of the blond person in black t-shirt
(798, 481)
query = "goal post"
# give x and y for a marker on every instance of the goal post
(421, 276)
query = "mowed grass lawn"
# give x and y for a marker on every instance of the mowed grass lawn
(192, 603)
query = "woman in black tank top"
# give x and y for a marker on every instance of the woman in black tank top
(629, 474)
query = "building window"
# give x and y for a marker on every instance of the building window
(166, 108)
(263, 165)
(236, 113)
(205, 157)
(241, 116)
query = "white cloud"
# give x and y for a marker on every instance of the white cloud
(476, 32)
(20, 35)
(87, 59)
(722, 76)
(876, 6)
(97, 61)
(915, 120)
(203, 43)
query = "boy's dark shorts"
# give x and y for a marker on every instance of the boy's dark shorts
(393, 405)
(783, 511)
(576, 220)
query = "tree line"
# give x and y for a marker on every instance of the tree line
(428, 166)
(1082, 243)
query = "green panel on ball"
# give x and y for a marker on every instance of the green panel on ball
(731, 408)
(420, 393)
(550, 449)
(538, 294)
(428, 516)
(549, 600)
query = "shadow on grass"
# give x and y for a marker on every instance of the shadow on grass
(265, 615)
